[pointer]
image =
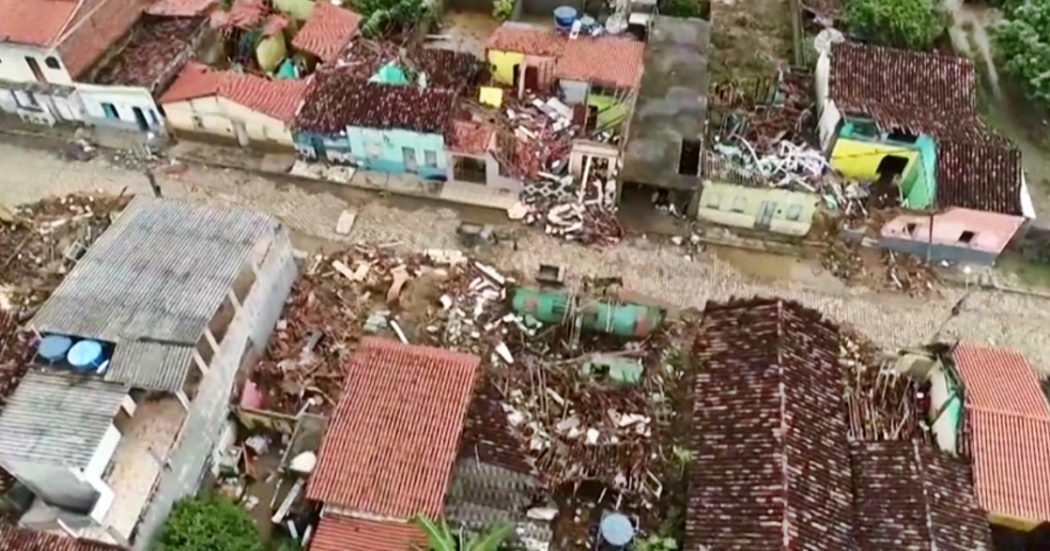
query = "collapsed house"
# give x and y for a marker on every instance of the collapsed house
(141, 343)
(390, 446)
(908, 122)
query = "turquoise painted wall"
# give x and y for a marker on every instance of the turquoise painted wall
(384, 150)
(919, 181)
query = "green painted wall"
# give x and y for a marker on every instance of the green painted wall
(610, 111)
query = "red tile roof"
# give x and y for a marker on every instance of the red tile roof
(772, 467)
(982, 176)
(612, 61)
(95, 31)
(243, 14)
(35, 22)
(392, 442)
(999, 380)
(1011, 463)
(342, 533)
(527, 39)
(327, 32)
(1008, 429)
(911, 496)
(278, 98)
(469, 137)
(181, 8)
(21, 539)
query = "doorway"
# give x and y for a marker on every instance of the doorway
(765, 215)
(516, 75)
(140, 119)
(241, 132)
(532, 78)
(689, 158)
(892, 165)
(409, 155)
(35, 68)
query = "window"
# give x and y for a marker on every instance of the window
(910, 228)
(899, 135)
(864, 128)
(153, 117)
(966, 237)
(739, 204)
(712, 200)
(372, 150)
(430, 158)
(52, 62)
(689, 159)
(26, 100)
(794, 213)
(198, 123)
(110, 110)
(35, 68)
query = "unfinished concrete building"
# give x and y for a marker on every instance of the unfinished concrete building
(140, 347)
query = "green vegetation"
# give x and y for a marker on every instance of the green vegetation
(440, 537)
(911, 24)
(686, 8)
(383, 17)
(655, 543)
(501, 9)
(208, 521)
(1023, 42)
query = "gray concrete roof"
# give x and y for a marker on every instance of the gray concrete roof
(150, 365)
(671, 103)
(158, 273)
(58, 417)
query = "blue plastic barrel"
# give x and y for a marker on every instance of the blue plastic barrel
(53, 348)
(616, 530)
(564, 16)
(86, 355)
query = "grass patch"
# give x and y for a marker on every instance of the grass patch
(1030, 274)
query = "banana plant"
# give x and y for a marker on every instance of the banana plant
(440, 537)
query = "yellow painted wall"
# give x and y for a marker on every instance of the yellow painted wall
(859, 159)
(270, 52)
(719, 200)
(299, 9)
(218, 115)
(503, 64)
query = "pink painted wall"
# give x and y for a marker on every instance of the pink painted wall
(992, 231)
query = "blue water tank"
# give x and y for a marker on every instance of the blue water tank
(53, 348)
(564, 16)
(616, 530)
(86, 355)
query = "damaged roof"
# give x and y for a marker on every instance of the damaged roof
(23, 539)
(153, 53)
(181, 8)
(341, 533)
(772, 468)
(1008, 418)
(158, 273)
(278, 98)
(610, 61)
(472, 138)
(513, 36)
(338, 98)
(327, 32)
(392, 441)
(911, 496)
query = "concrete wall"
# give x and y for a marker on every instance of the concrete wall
(939, 252)
(219, 116)
(991, 232)
(13, 65)
(210, 409)
(946, 427)
(574, 91)
(742, 207)
(55, 484)
(314, 147)
(124, 99)
(384, 150)
(502, 64)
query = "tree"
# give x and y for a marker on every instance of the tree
(442, 538)
(901, 23)
(208, 521)
(1023, 41)
(390, 16)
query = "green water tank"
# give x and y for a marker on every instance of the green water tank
(545, 306)
(622, 319)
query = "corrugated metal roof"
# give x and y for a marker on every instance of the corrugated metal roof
(58, 417)
(150, 365)
(160, 272)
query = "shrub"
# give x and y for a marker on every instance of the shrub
(208, 521)
(901, 23)
(1023, 42)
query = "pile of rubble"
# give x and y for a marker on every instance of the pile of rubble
(16, 348)
(41, 242)
(577, 212)
(908, 273)
(882, 402)
(543, 131)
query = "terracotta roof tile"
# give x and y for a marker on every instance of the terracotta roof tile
(342, 533)
(1011, 463)
(182, 8)
(527, 39)
(339, 98)
(613, 61)
(488, 436)
(328, 31)
(393, 439)
(21, 539)
(469, 137)
(983, 176)
(278, 98)
(149, 59)
(999, 380)
(35, 22)
(911, 496)
(243, 14)
(96, 31)
(772, 467)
